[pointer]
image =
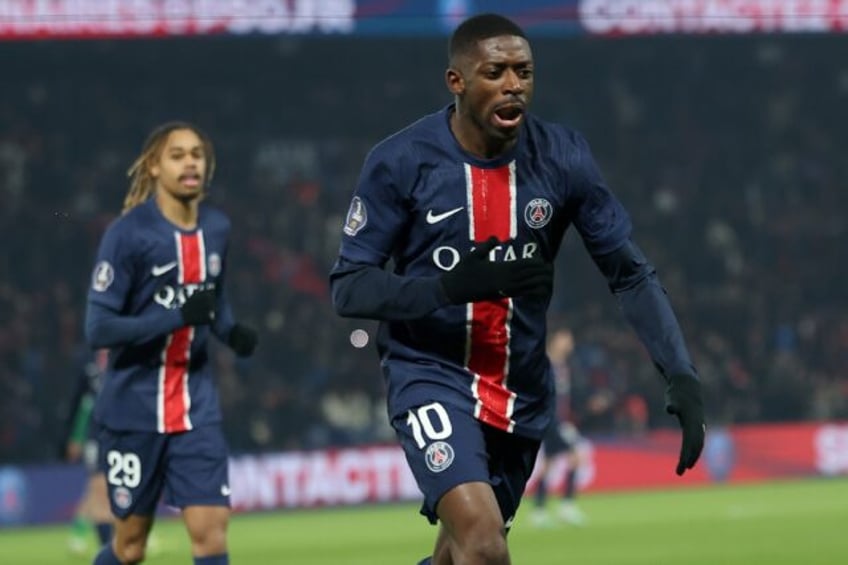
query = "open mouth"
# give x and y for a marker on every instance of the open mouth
(508, 115)
(190, 179)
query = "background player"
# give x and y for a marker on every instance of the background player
(156, 295)
(561, 437)
(81, 445)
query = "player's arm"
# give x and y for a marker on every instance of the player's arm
(605, 228)
(76, 419)
(224, 319)
(368, 291)
(645, 304)
(106, 327)
(647, 307)
(360, 285)
(240, 338)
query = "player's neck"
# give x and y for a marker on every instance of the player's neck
(181, 213)
(473, 140)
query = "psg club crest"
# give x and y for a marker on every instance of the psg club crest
(357, 217)
(439, 456)
(122, 497)
(103, 276)
(538, 213)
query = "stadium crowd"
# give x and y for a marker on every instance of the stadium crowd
(726, 151)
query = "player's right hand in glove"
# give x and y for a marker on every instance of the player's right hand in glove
(476, 278)
(683, 399)
(199, 308)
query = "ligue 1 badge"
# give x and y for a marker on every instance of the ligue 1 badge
(357, 217)
(103, 276)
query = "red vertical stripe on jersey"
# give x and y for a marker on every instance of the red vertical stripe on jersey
(491, 197)
(176, 403)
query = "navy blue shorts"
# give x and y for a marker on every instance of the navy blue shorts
(189, 468)
(446, 447)
(560, 438)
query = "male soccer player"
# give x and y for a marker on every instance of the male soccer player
(93, 506)
(561, 436)
(471, 204)
(156, 295)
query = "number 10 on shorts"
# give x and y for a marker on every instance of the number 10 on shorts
(422, 421)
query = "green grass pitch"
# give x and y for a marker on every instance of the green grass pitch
(803, 522)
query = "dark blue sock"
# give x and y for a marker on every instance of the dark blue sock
(541, 492)
(570, 483)
(106, 556)
(104, 532)
(426, 561)
(223, 559)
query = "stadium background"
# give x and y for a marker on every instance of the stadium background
(721, 125)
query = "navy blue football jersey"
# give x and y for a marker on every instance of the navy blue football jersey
(421, 203)
(145, 270)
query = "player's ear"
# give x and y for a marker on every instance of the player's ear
(454, 81)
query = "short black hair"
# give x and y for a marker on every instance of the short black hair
(480, 27)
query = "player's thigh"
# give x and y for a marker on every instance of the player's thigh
(197, 471)
(511, 462)
(99, 498)
(445, 447)
(131, 463)
(469, 509)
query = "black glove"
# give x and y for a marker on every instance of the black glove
(683, 399)
(242, 340)
(475, 278)
(199, 308)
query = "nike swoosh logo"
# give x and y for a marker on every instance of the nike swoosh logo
(436, 218)
(159, 270)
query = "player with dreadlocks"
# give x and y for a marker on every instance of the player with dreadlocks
(157, 293)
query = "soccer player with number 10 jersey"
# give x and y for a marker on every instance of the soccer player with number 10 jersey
(470, 205)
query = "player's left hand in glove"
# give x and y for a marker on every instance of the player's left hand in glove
(683, 399)
(242, 340)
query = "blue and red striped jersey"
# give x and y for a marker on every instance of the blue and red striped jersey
(421, 203)
(159, 377)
